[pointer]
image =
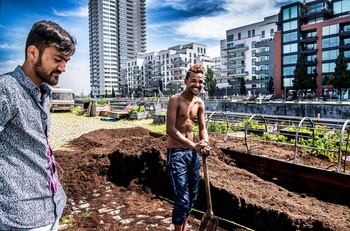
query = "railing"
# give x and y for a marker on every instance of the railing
(321, 139)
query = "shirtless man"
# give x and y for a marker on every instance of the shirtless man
(183, 152)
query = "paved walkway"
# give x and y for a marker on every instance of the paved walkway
(68, 126)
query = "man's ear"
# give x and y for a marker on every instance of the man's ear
(32, 53)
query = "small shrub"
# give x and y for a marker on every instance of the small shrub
(136, 109)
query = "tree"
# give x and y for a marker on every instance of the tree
(210, 82)
(113, 92)
(106, 93)
(340, 79)
(300, 81)
(171, 89)
(242, 89)
(270, 86)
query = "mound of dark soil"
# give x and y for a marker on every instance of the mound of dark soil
(117, 180)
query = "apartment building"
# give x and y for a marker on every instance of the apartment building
(248, 52)
(318, 30)
(117, 33)
(164, 70)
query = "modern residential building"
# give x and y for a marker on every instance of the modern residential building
(248, 52)
(318, 30)
(117, 33)
(164, 70)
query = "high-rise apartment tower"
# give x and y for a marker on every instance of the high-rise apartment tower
(117, 32)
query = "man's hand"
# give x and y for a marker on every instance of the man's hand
(205, 151)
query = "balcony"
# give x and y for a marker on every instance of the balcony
(262, 53)
(235, 48)
(308, 51)
(255, 81)
(262, 72)
(264, 62)
(263, 43)
(308, 39)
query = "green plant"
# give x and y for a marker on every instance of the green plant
(101, 101)
(267, 136)
(281, 138)
(136, 109)
(75, 110)
(86, 214)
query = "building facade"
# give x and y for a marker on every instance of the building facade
(117, 33)
(248, 52)
(318, 30)
(164, 70)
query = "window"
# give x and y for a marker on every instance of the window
(330, 55)
(330, 30)
(341, 6)
(239, 36)
(328, 67)
(288, 70)
(230, 38)
(263, 34)
(290, 25)
(272, 32)
(290, 48)
(249, 33)
(253, 32)
(330, 42)
(253, 44)
(289, 13)
(287, 37)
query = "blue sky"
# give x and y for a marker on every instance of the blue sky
(169, 23)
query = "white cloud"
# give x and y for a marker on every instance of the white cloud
(78, 12)
(240, 13)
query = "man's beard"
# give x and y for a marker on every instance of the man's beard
(43, 73)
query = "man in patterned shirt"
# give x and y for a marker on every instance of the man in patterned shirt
(31, 197)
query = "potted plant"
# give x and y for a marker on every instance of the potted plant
(138, 112)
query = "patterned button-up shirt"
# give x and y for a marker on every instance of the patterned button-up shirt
(26, 200)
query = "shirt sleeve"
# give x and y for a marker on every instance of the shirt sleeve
(5, 114)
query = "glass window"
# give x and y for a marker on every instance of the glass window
(290, 48)
(230, 38)
(272, 32)
(287, 37)
(330, 42)
(341, 6)
(290, 25)
(290, 59)
(263, 34)
(289, 13)
(330, 30)
(253, 32)
(288, 71)
(328, 67)
(249, 33)
(239, 36)
(253, 44)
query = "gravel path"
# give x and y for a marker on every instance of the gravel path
(68, 126)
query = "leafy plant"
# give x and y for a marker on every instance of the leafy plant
(136, 109)
(86, 214)
(101, 101)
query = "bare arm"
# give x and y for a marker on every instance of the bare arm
(203, 133)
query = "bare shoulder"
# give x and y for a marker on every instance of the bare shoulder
(199, 100)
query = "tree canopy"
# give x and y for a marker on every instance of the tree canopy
(210, 82)
(242, 89)
(340, 80)
(300, 81)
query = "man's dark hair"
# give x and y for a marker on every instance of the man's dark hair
(197, 68)
(45, 34)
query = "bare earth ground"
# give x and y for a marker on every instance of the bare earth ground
(116, 179)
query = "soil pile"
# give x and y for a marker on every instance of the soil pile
(116, 179)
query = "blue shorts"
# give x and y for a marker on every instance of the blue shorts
(183, 166)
